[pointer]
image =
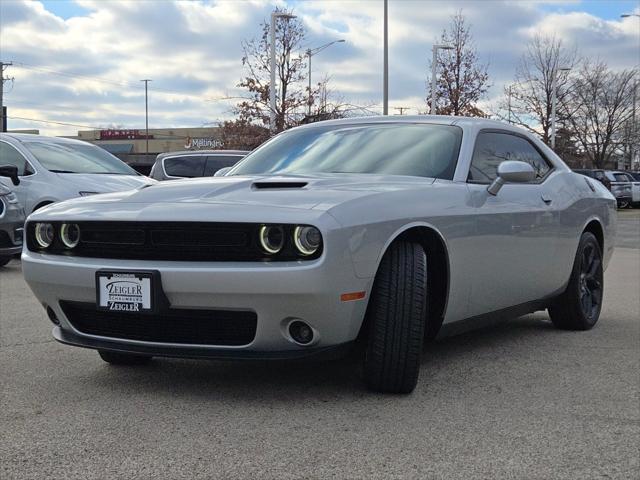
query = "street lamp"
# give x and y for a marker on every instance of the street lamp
(310, 53)
(554, 100)
(434, 63)
(272, 87)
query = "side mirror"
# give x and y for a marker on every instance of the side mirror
(222, 172)
(511, 171)
(10, 171)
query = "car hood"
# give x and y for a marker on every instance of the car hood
(320, 191)
(104, 183)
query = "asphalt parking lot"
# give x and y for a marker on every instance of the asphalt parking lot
(520, 400)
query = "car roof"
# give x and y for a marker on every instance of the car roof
(31, 137)
(202, 152)
(437, 119)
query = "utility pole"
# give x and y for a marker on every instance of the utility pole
(146, 113)
(385, 74)
(401, 109)
(3, 116)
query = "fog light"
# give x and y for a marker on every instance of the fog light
(301, 332)
(52, 316)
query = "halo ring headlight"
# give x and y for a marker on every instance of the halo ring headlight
(271, 238)
(307, 239)
(44, 233)
(70, 234)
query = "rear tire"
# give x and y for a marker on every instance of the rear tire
(578, 308)
(4, 261)
(117, 358)
(396, 318)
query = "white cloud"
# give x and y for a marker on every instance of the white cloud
(194, 47)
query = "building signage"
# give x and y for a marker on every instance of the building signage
(202, 142)
(122, 135)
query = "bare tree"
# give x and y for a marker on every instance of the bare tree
(602, 104)
(291, 68)
(528, 100)
(463, 80)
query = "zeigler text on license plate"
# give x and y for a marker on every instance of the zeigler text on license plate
(125, 292)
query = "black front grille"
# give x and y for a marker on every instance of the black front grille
(186, 241)
(184, 326)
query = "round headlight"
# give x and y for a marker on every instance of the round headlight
(44, 234)
(271, 238)
(307, 240)
(70, 235)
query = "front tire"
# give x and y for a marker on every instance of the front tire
(117, 358)
(397, 317)
(578, 308)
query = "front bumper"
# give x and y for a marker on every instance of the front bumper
(316, 353)
(277, 293)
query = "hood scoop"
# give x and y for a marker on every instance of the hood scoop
(278, 185)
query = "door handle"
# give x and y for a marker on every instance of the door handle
(546, 199)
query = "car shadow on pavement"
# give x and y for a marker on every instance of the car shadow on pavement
(279, 380)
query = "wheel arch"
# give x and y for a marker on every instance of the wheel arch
(438, 269)
(594, 225)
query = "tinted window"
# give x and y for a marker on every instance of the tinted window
(621, 177)
(187, 166)
(77, 158)
(494, 148)
(396, 149)
(11, 156)
(216, 162)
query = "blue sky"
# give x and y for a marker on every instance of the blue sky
(192, 51)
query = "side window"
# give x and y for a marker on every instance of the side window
(10, 156)
(188, 166)
(216, 162)
(493, 148)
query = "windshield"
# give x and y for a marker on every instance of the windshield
(395, 149)
(77, 158)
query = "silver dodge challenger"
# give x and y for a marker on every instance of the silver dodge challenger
(383, 232)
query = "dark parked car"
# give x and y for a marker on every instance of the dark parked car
(596, 174)
(190, 164)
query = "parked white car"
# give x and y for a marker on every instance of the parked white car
(52, 169)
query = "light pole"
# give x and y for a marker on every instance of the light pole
(633, 112)
(146, 113)
(311, 52)
(272, 86)
(434, 65)
(385, 66)
(554, 100)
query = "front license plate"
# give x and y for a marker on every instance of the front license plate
(125, 291)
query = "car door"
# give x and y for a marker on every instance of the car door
(9, 155)
(515, 229)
